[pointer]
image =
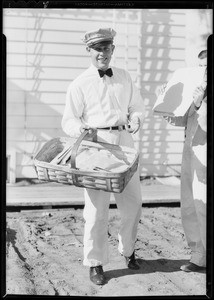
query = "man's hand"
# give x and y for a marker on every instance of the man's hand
(161, 90)
(198, 95)
(134, 125)
(86, 127)
(166, 118)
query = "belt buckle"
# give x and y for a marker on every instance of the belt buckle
(120, 128)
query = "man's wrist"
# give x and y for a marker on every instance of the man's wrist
(197, 107)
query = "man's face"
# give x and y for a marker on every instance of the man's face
(203, 62)
(101, 55)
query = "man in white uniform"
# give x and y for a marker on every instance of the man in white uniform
(193, 174)
(108, 102)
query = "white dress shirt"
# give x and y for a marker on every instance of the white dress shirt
(101, 102)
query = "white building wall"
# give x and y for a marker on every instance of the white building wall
(45, 53)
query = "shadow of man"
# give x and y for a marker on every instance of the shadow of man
(149, 266)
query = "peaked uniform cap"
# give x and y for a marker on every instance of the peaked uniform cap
(96, 36)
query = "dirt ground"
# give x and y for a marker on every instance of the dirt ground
(45, 252)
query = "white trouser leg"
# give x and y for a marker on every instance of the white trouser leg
(96, 227)
(96, 217)
(200, 195)
(190, 212)
(129, 203)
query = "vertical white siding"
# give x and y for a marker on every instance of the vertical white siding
(45, 53)
(163, 51)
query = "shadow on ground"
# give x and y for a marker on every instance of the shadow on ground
(149, 266)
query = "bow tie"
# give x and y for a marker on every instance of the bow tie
(108, 72)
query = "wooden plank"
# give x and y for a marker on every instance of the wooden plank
(44, 110)
(17, 72)
(79, 50)
(47, 48)
(19, 59)
(159, 170)
(15, 121)
(161, 147)
(162, 135)
(44, 121)
(167, 16)
(34, 121)
(158, 69)
(37, 109)
(20, 72)
(163, 29)
(164, 16)
(161, 159)
(149, 87)
(163, 63)
(73, 14)
(27, 147)
(82, 62)
(158, 52)
(33, 134)
(144, 147)
(37, 195)
(158, 123)
(52, 25)
(15, 97)
(61, 35)
(153, 41)
(15, 109)
(47, 98)
(155, 76)
(16, 47)
(38, 85)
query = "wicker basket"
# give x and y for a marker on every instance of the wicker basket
(68, 174)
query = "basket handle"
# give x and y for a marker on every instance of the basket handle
(83, 135)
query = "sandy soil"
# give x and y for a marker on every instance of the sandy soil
(44, 256)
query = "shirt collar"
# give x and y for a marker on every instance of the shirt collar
(94, 70)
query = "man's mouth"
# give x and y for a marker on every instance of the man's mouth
(102, 59)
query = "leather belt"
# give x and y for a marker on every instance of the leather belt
(120, 128)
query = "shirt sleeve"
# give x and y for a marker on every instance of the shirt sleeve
(177, 121)
(72, 116)
(136, 105)
(202, 116)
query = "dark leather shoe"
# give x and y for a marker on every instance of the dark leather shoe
(131, 262)
(97, 275)
(190, 267)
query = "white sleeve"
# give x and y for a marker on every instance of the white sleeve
(177, 121)
(202, 116)
(136, 106)
(71, 120)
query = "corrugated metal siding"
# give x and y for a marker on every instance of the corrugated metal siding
(45, 53)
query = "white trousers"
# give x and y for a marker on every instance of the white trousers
(95, 213)
(193, 205)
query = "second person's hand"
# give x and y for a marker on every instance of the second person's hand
(134, 125)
